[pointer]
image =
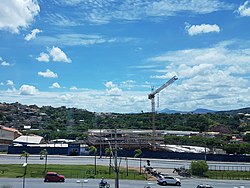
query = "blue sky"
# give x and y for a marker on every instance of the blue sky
(105, 55)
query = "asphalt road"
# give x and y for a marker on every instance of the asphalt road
(81, 160)
(132, 162)
(186, 183)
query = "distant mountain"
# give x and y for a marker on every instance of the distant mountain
(206, 111)
(197, 111)
(203, 111)
(167, 111)
(241, 110)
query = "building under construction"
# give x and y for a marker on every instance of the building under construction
(130, 138)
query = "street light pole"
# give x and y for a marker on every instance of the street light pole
(24, 174)
(100, 140)
(116, 166)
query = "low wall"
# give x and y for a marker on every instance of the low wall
(186, 156)
(36, 150)
(131, 153)
(3, 148)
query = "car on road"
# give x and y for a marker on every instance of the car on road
(168, 180)
(54, 177)
(204, 186)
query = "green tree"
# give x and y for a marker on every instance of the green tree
(199, 168)
(109, 152)
(44, 153)
(26, 155)
(93, 150)
(138, 153)
(246, 137)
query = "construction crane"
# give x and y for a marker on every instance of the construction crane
(151, 96)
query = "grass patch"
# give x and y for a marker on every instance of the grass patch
(69, 171)
(234, 175)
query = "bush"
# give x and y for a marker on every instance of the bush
(199, 168)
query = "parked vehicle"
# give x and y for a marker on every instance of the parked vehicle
(204, 186)
(53, 177)
(167, 180)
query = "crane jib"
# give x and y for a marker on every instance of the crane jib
(152, 95)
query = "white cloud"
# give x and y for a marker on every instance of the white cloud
(67, 98)
(5, 64)
(48, 74)
(55, 85)
(109, 84)
(201, 29)
(17, 14)
(28, 90)
(32, 35)
(215, 77)
(244, 10)
(73, 88)
(75, 39)
(103, 12)
(112, 89)
(58, 55)
(43, 57)
(9, 83)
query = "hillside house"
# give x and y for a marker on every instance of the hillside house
(7, 135)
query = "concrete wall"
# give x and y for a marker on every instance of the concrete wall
(3, 148)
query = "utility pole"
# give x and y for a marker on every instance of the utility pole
(151, 96)
(116, 166)
(100, 141)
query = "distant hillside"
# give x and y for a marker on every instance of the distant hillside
(203, 111)
(206, 111)
(63, 122)
(197, 111)
(241, 110)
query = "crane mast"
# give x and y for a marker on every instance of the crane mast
(151, 96)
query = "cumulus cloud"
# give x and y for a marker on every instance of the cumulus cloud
(201, 29)
(9, 83)
(28, 90)
(4, 63)
(48, 74)
(73, 88)
(244, 10)
(32, 35)
(17, 14)
(58, 55)
(112, 89)
(115, 91)
(43, 57)
(55, 85)
(208, 76)
(109, 84)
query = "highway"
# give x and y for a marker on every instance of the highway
(132, 162)
(82, 160)
(186, 183)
